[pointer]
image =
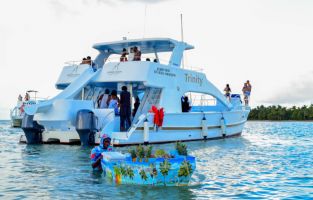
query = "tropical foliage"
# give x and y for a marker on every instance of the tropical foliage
(181, 148)
(281, 113)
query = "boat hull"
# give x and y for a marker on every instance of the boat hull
(156, 136)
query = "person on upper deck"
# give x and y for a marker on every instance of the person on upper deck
(155, 60)
(123, 57)
(84, 61)
(125, 110)
(227, 91)
(91, 63)
(131, 54)
(137, 56)
(114, 101)
(20, 98)
(27, 97)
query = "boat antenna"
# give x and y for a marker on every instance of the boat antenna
(182, 36)
(144, 22)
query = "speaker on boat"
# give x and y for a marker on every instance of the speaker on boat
(86, 126)
(33, 130)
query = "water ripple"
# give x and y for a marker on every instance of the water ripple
(272, 160)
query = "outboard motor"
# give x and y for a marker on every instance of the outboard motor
(86, 127)
(33, 130)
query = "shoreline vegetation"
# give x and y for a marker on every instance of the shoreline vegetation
(280, 113)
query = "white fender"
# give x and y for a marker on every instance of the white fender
(204, 127)
(146, 131)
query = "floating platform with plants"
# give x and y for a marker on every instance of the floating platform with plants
(141, 167)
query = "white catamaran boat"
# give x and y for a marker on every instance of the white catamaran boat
(17, 113)
(74, 116)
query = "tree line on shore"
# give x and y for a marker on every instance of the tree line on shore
(281, 113)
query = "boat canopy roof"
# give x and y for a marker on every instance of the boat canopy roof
(147, 45)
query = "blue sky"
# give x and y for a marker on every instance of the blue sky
(268, 42)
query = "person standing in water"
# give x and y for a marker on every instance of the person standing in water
(96, 152)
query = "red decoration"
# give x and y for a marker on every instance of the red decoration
(158, 116)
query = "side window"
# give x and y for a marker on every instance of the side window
(197, 102)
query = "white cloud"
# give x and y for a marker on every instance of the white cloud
(296, 92)
(268, 42)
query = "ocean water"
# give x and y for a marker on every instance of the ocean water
(271, 160)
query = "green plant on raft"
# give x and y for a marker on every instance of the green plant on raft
(159, 153)
(185, 169)
(130, 172)
(132, 152)
(123, 171)
(140, 152)
(143, 174)
(181, 148)
(116, 170)
(148, 151)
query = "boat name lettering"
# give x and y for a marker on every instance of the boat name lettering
(165, 72)
(189, 78)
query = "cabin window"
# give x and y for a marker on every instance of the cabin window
(197, 102)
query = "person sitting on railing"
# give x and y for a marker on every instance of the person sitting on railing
(91, 63)
(84, 61)
(123, 57)
(114, 101)
(185, 104)
(137, 56)
(227, 91)
(88, 60)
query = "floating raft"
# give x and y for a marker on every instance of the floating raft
(121, 169)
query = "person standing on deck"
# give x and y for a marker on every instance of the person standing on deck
(227, 91)
(104, 99)
(249, 88)
(245, 94)
(125, 110)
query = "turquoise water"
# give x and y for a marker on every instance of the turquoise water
(271, 160)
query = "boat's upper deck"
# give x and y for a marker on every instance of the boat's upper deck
(147, 45)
